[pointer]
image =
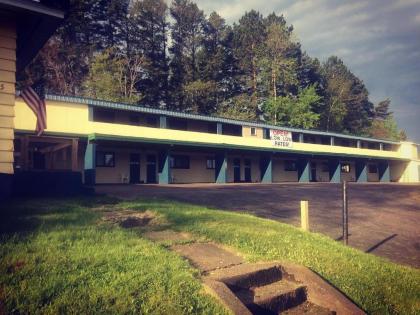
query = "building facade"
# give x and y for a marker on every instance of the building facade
(25, 26)
(119, 143)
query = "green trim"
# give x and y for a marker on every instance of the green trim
(53, 134)
(143, 109)
(234, 146)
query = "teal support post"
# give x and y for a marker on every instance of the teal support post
(334, 170)
(361, 171)
(266, 166)
(303, 167)
(381, 146)
(384, 174)
(90, 164)
(164, 171)
(221, 168)
(163, 122)
(359, 144)
(219, 128)
(332, 141)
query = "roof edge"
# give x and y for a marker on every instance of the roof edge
(178, 114)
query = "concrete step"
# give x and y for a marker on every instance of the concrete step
(308, 308)
(247, 276)
(274, 297)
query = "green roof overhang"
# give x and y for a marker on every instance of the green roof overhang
(99, 137)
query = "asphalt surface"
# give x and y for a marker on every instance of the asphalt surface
(384, 219)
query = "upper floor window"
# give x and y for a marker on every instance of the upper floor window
(103, 115)
(178, 124)
(135, 119)
(253, 131)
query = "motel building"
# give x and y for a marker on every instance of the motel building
(97, 142)
(113, 143)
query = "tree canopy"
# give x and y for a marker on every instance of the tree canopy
(149, 53)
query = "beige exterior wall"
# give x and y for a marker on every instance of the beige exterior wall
(410, 172)
(7, 92)
(280, 175)
(246, 132)
(120, 174)
(321, 175)
(197, 173)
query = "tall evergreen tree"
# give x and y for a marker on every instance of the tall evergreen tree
(249, 35)
(217, 63)
(148, 37)
(347, 106)
(187, 36)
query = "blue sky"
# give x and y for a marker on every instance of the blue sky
(379, 40)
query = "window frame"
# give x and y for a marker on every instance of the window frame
(212, 164)
(253, 131)
(293, 163)
(104, 153)
(176, 165)
(343, 167)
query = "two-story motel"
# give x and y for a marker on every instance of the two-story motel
(119, 143)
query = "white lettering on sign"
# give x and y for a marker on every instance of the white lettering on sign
(281, 138)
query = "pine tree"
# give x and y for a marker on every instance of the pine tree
(187, 35)
(217, 64)
(147, 36)
(249, 35)
(347, 106)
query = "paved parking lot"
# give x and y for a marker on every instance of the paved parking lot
(384, 219)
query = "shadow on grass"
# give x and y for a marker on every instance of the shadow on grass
(23, 216)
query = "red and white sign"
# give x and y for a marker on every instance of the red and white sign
(281, 138)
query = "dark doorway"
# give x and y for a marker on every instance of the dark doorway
(247, 163)
(236, 170)
(39, 160)
(151, 169)
(134, 168)
(313, 172)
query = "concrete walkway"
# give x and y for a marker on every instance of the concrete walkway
(259, 288)
(383, 218)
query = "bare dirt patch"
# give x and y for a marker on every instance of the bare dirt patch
(130, 219)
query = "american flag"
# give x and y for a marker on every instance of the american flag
(34, 97)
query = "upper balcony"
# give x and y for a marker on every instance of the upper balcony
(105, 120)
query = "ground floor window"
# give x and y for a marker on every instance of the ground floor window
(180, 162)
(290, 165)
(210, 163)
(345, 167)
(105, 159)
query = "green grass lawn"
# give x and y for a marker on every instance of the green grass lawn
(55, 257)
